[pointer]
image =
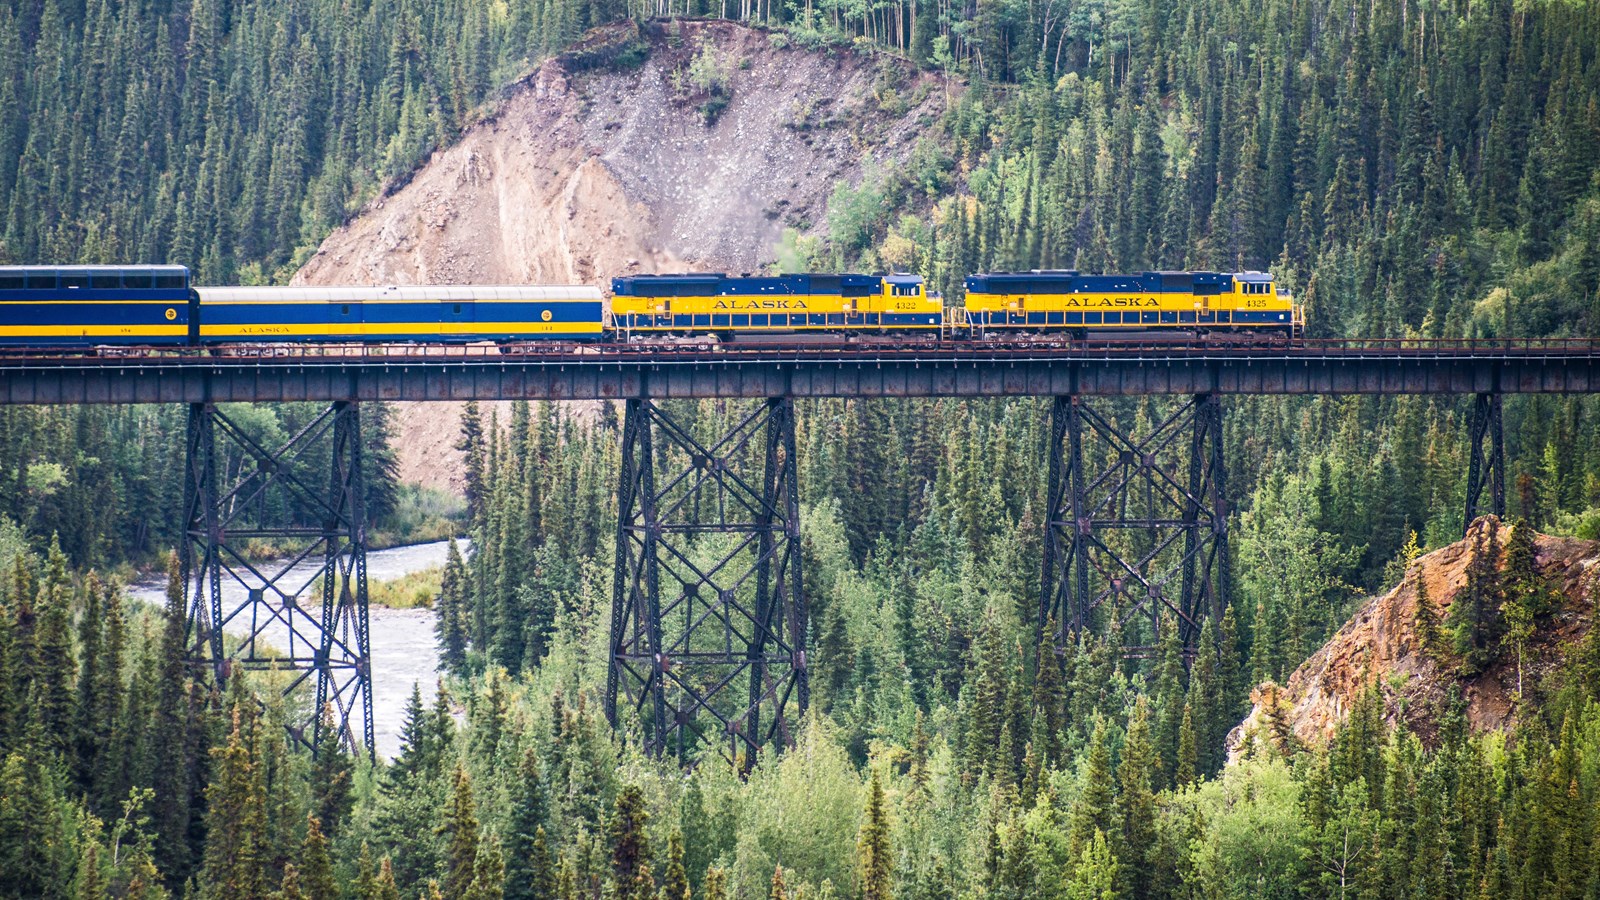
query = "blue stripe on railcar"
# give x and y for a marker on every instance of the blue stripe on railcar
(310, 321)
(91, 317)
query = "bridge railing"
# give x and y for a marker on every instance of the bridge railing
(704, 349)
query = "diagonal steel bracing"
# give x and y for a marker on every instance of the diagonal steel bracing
(304, 615)
(708, 620)
(1137, 535)
(1486, 465)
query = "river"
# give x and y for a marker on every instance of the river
(403, 647)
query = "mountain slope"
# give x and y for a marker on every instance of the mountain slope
(592, 168)
(1381, 646)
(586, 173)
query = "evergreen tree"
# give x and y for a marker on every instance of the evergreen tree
(1136, 804)
(236, 827)
(874, 858)
(488, 881)
(460, 829)
(450, 623)
(332, 779)
(1049, 700)
(630, 847)
(1475, 612)
(1095, 807)
(716, 884)
(675, 880)
(529, 868)
(316, 866)
(1095, 876)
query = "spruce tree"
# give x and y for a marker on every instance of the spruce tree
(1136, 774)
(630, 847)
(716, 884)
(365, 886)
(675, 880)
(53, 667)
(460, 830)
(450, 623)
(1097, 872)
(316, 867)
(488, 881)
(1096, 802)
(1188, 756)
(289, 887)
(874, 859)
(527, 855)
(236, 826)
(1475, 612)
(471, 446)
(332, 779)
(176, 771)
(387, 889)
(1049, 699)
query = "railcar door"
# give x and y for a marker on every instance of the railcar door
(344, 320)
(457, 317)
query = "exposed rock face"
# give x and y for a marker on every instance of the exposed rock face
(583, 173)
(587, 171)
(1380, 645)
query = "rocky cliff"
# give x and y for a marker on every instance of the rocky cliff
(1381, 646)
(680, 145)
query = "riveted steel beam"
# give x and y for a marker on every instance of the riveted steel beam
(708, 616)
(1137, 536)
(304, 615)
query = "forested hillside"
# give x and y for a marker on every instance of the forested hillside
(1414, 168)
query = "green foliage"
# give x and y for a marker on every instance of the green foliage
(1475, 617)
(874, 856)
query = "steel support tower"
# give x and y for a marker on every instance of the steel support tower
(1137, 535)
(708, 618)
(304, 616)
(1486, 465)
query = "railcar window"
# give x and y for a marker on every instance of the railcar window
(74, 279)
(11, 282)
(44, 280)
(137, 278)
(170, 281)
(458, 309)
(106, 280)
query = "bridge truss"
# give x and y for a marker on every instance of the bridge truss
(304, 617)
(1486, 465)
(708, 616)
(1137, 536)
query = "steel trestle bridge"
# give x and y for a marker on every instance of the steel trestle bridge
(709, 620)
(698, 369)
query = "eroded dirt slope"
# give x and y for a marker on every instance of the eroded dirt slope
(1380, 646)
(588, 170)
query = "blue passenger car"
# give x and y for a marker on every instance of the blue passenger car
(55, 306)
(424, 313)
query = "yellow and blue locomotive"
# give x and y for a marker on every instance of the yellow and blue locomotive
(714, 303)
(1248, 302)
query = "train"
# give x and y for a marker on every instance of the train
(159, 306)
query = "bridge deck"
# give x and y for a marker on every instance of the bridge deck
(695, 369)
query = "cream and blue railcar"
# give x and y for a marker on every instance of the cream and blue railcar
(717, 303)
(429, 313)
